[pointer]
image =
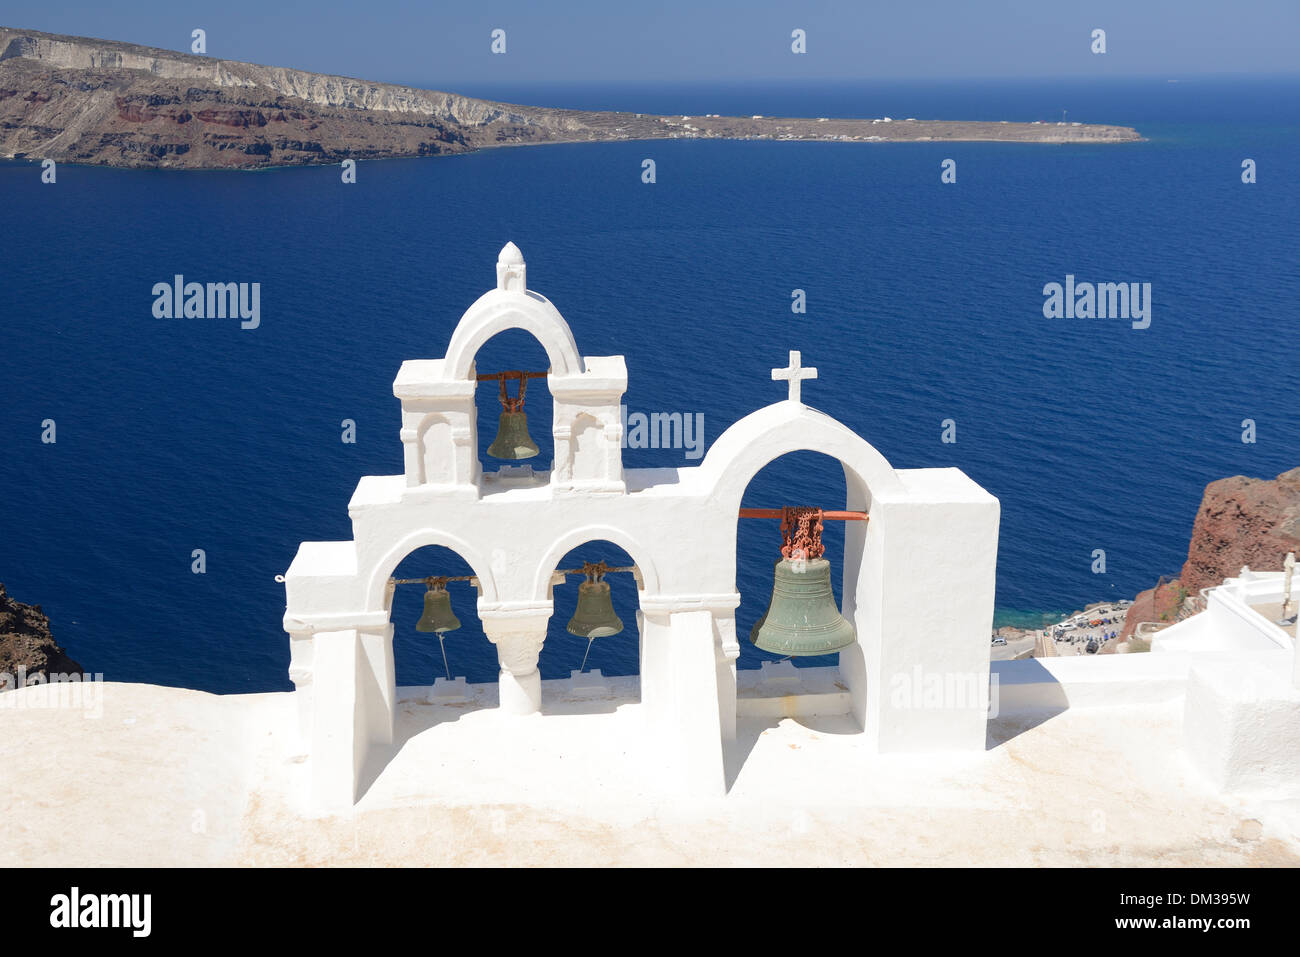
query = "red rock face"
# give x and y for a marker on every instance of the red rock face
(1154, 604)
(1243, 521)
(239, 119)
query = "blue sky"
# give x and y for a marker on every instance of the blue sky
(446, 44)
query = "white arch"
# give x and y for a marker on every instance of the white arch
(377, 583)
(748, 445)
(641, 556)
(498, 310)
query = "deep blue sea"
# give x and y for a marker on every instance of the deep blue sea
(924, 304)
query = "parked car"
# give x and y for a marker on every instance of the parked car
(999, 641)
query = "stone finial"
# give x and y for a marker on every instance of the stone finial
(511, 271)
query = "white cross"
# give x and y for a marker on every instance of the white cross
(795, 373)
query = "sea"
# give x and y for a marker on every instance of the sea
(190, 457)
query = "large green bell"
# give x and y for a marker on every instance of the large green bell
(801, 617)
(594, 616)
(438, 615)
(513, 440)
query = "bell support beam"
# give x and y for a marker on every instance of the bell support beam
(831, 516)
(494, 376)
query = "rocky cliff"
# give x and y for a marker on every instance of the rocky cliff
(26, 645)
(118, 104)
(1241, 521)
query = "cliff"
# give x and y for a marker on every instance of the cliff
(1241, 521)
(26, 643)
(118, 104)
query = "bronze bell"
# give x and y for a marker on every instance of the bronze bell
(801, 617)
(438, 615)
(594, 616)
(513, 440)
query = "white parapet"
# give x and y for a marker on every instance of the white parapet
(1242, 725)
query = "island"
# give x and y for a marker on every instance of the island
(102, 102)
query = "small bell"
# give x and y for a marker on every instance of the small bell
(438, 615)
(801, 618)
(594, 616)
(513, 441)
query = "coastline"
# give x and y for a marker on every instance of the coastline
(27, 160)
(107, 103)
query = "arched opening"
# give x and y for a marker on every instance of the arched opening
(614, 655)
(514, 350)
(796, 478)
(814, 691)
(417, 655)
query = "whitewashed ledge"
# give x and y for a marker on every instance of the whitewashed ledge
(169, 776)
(1034, 685)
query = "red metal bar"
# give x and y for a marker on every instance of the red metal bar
(776, 513)
(484, 377)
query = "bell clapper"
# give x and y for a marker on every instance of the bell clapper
(444, 657)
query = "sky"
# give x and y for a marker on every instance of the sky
(447, 45)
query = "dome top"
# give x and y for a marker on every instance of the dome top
(510, 255)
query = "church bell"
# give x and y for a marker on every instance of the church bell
(513, 441)
(594, 616)
(801, 617)
(438, 616)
